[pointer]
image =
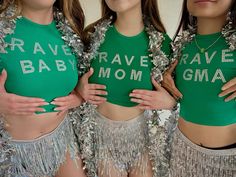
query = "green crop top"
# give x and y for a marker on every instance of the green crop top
(38, 62)
(200, 76)
(123, 64)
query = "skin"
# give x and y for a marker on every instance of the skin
(20, 120)
(127, 11)
(211, 17)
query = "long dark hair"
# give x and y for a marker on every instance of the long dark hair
(149, 9)
(185, 19)
(70, 8)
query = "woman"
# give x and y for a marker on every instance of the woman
(127, 50)
(40, 45)
(204, 143)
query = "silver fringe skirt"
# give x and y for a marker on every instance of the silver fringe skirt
(43, 156)
(121, 145)
(191, 160)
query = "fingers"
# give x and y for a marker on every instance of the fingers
(88, 74)
(141, 101)
(25, 111)
(169, 84)
(142, 94)
(96, 86)
(22, 99)
(30, 106)
(3, 78)
(229, 84)
(172, 67)
(175, 92)
(231, 97)
(231, 90)
(155, 84)
(67, 102)
(143, 97)
(228, 91)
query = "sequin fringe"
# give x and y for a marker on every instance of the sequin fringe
(6, 151)
(121, 145)
(160, 130)
(191, 160)
(43, 156)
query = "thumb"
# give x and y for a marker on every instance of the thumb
(155, 84)
(3, 78)
(173, 66)
(89, 73)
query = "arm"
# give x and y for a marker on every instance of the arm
(169, 84)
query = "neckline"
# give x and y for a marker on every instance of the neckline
(27, 20)
(128, 37)
(208, 36)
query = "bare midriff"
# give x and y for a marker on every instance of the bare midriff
(32, 127)
(117, 112)
(208, 136)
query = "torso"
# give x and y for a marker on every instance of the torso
(208, 136)
(206, 118)
(39, 64)
(117, 112)
(31, 127)
(123, 64)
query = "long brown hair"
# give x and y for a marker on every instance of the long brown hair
(185, 19)
(70, 8)
(149, 10)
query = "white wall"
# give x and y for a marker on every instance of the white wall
(169, 11)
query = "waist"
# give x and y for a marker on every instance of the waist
(117, 112)
(31, 127)
(208, 136)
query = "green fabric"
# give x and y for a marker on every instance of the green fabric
(123, 64)
(200, 76)
(38, 62)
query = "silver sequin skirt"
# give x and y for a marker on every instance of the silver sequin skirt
(43, 156)
(121, 145)
(191, 160)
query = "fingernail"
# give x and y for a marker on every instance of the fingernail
(46, 103)
(52, 102)
(223, 88)
(56, 109)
